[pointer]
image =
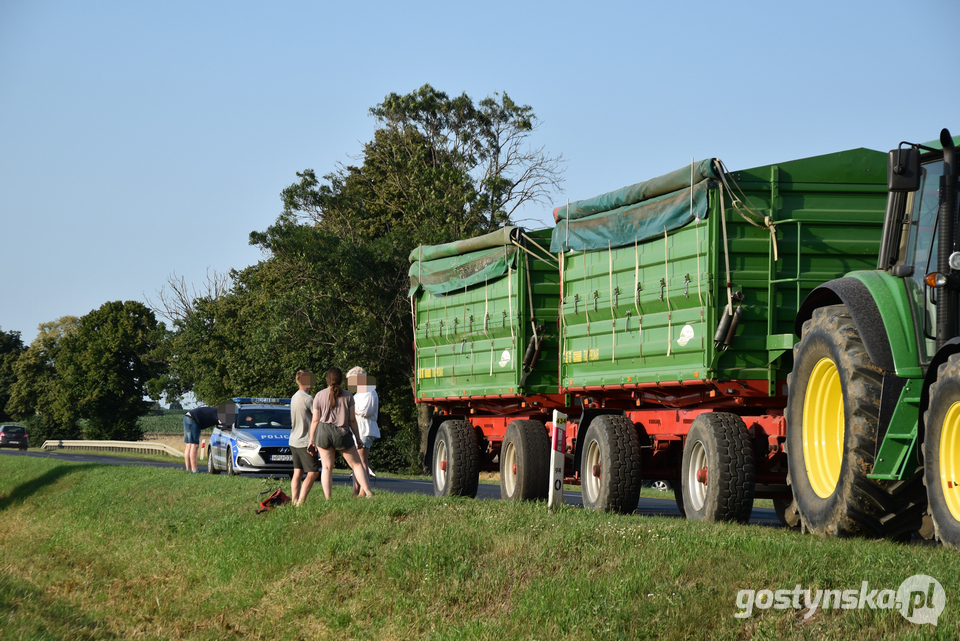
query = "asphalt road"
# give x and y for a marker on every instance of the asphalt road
(647, 506)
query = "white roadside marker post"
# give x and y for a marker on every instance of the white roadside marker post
(557, 461)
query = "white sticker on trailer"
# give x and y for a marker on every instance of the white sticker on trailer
(686, 335)
(504, 358)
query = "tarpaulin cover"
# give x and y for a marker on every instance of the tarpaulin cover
(631, 223)
(666, 184)
(503, 236)
(452, 266)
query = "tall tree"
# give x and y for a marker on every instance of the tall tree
(36, 396)
(487, 141)
(11, 347)
(107, 365)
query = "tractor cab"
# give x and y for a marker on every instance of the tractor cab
(922, 183)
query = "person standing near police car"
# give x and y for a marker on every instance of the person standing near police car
(199, 418)
(301, 419)
(330, 432)
(366, 406)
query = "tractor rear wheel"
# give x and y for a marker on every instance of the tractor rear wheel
(833, 408)
(525, 462)
(610, 465)
(456, 460)
(941, 453)
(718, 475)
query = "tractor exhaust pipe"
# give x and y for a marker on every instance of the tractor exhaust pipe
(948, 243)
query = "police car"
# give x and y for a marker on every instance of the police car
(253, 436)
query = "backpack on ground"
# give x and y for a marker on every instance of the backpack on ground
(276, 499)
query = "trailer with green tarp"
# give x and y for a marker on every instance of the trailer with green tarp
(679, 296)
(658, 317)
(486, 343)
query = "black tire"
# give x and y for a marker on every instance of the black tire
(718, 475)
(610, 473)
(456, 460)
(678, 497)
(230, 470)
(829, 481)
(211, 466)
(941, 453)
(787, 513)
(525, 462)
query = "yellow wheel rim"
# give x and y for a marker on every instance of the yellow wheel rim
(950, 459)
(822, 429)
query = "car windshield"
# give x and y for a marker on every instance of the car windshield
(277, 418)
(12, 430)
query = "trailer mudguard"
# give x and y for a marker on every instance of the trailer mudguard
(435, 421)
(879, 306)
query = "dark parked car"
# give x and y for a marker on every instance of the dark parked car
(14, 436)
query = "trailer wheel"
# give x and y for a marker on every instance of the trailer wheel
(833, 405)
(525, 462)
(718, 476)
(456, 460)
(610, 469)
(941, 453)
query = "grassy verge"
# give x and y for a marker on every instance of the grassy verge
(99, 552)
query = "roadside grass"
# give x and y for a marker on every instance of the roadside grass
(100, 552)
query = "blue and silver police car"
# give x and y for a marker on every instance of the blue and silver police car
(253, 436)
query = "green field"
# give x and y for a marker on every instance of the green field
(167, 421)
(102, 552)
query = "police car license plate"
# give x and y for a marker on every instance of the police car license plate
(281, 457)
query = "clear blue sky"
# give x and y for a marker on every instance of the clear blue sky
(138, 139)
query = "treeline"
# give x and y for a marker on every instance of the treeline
(332, 289)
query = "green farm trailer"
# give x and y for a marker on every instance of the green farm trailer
(661, 323)
(485, 333)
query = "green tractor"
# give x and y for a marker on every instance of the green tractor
(873, 409)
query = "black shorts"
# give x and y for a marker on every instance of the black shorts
(334, 437)
(304, 460)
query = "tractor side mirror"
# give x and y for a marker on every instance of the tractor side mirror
(903, 169)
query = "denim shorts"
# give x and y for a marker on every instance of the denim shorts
(191, 431)
(368, 441)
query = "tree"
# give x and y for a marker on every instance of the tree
(36, 396)
(11, 347)
(404, 187)
(107, 365)
(486, 141)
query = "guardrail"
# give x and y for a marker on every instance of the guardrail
(143, 447)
